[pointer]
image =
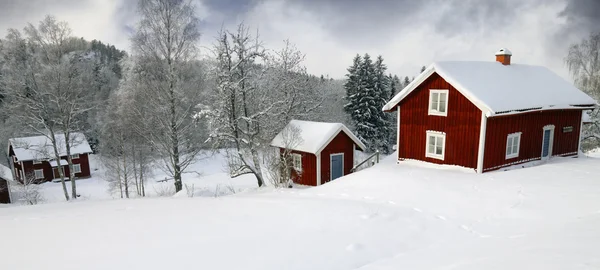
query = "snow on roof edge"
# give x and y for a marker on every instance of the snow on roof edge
(31, 147)
(316, 142)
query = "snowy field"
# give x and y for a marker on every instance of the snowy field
(407, 216)
(206, 177)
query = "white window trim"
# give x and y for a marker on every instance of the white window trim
(78, 166)
(437, 113)
(512, 155)
(36, 175)
(439, 135)
(75, 156)
(295, 157)
(331, 163)
(37, 161)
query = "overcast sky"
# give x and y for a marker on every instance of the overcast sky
(408, 33)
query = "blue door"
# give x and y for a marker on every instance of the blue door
(337, 166)
(547, 143)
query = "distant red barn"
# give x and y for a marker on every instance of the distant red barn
(34, 157)
(321, 152)
(488, 115)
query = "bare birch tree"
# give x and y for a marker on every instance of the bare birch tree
(126, 153)
(280, 161)
(256, 94)
(165, 47)
(583, 61)
(45, 84)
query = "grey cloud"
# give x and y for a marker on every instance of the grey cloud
(583, 13)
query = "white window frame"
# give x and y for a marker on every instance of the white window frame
(297, 162)
(75, 156)
(511, 139)
(437, 135)
(431, 110)
(41, 176)
(76, 168)
(37, 161)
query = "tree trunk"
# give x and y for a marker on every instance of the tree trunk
(70, 164)
(142, 180)
(135, 172)
(60, 169)
(258, 170)
(174, 138)
(125, 175)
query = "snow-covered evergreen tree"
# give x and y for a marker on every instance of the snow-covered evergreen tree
(352, 83)
(382, 120)
(362, 104)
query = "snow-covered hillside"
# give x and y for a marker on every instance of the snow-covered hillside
(407, 216)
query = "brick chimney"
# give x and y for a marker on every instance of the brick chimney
(503, 56)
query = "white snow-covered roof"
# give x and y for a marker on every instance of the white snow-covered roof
(5, 173)
(40, 147)
(63, 162)
(503, 51)
(498, 89)
(311, 137)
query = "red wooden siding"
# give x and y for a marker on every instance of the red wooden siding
(29, 167)
(461, 125)
(4, 196)
(531, 125)
(340, 144)
(308, 176)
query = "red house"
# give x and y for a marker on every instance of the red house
(321, 152)
(488, 115)
(33, 157)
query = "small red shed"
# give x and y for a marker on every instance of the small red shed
(488, 115)
(321, 152)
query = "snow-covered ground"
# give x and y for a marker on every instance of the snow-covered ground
(390, 216)
(207, 177)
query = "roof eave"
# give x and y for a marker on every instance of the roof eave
(393, 103)
(343, 128)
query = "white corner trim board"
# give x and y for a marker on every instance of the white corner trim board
(318, 169)
(481, 150)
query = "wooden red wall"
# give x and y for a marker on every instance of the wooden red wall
(4, 195)
(29, 168)
(340, 144)
(531, 125)
(308, 177)
(461, 125)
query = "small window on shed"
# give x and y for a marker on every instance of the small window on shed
(76, 168)
(39, 174)
(37, 161)
(438, 102)
(513, 143)
(297, 162)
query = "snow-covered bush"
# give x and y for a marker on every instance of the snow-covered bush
(26, 192)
